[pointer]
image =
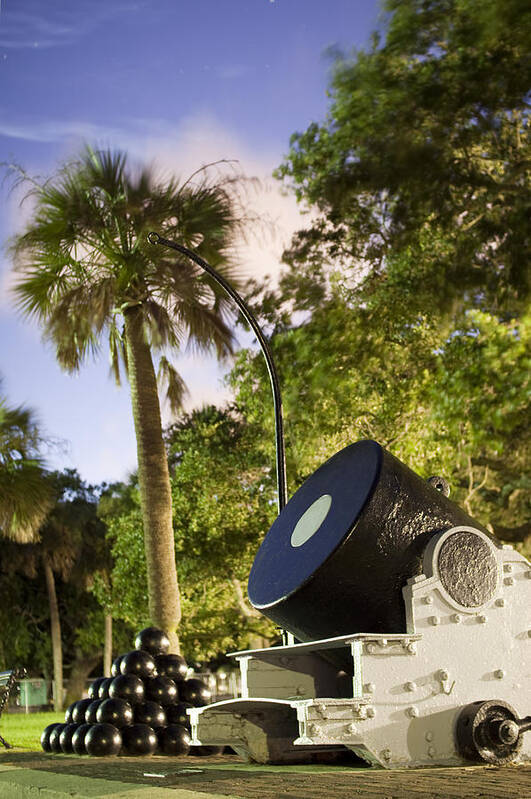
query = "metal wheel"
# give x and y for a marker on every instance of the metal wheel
(488, 732)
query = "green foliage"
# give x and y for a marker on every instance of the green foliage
(126, 597)
(73, 539)
(425, 155)
(85, 259)
(24, 489)
(223, 506)
(25, 622)
(455, 406)
(223, 503)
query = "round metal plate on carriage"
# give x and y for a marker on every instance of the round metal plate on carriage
(468, 569)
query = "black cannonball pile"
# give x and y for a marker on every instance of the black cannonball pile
(140, 710)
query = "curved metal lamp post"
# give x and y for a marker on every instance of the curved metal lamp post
(155, 238)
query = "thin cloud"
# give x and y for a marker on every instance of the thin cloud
(49, 131)
(46, 25)
(232, 71)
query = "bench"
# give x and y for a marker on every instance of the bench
(8, 681)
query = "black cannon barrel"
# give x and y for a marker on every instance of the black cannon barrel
(336, 558)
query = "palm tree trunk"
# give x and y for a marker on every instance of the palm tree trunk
(154, 482)
(55, 628)
(107, 645)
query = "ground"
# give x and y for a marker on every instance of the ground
(30, 774)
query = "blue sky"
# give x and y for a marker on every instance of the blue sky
(177, 82)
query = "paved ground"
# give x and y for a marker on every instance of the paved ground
(30, 775)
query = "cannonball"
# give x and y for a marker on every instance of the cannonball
(94, 687)
(138, 662)
(103, 690)
(173, 666)
(127, 686)
(54, 742)
(78, 739)
(68, 713)
(45, 736)
(117, 712)
(139, 739)
(161, 690)
(176, 714)
(195, 691)
(153, 640)
(174, 739)
(92, 709)
(150, 713)
(115, 667)
(65, 738)
(79, 710)
(103, 739)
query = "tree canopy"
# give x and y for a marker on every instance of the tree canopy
(420, 172)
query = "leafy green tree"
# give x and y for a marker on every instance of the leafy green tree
(86, 272)
(61, 568)
(420, 172)
(413, 275)
(223, 503)
(24, 490)
(455, 406)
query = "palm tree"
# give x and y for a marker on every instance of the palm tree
(24, 490)
(87, 272)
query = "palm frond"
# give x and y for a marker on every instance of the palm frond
(84, 256)
(25, 500)
(176, 388)
(25, 493)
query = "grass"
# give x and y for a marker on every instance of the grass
(24, 729)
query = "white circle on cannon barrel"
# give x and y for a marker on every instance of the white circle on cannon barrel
(311, 520)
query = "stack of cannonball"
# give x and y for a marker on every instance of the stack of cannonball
(140, 710)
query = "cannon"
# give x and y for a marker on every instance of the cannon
(408, 623)
(412, 624)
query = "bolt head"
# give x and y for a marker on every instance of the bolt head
(456, 618)
(499, 674)
(411, 686)
(412, 712)
(434, 620)
(428, 600)
(500, 602)
(508, 732)
(351, 728)
(482, 619)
